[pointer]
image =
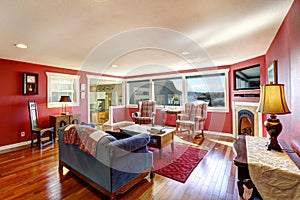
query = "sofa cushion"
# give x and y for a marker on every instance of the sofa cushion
(122, 147)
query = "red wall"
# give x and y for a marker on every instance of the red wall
(13, 104)
(286, 49)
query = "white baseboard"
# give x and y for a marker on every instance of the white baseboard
(10, 146)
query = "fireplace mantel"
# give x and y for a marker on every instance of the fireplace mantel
(251, 106)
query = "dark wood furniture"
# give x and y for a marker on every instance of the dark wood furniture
(58, 121)
(161, 140)
(239, 146)
(36, 129)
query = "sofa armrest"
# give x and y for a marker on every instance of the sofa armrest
(136, 114)
(122, 147)
(199, 118)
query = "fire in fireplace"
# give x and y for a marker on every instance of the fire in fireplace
(245, 122)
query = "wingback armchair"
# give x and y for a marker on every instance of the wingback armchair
(193, 118)
(146, 113)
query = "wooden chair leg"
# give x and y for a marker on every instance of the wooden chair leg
(32, 138)
(53, 137)
(40, 141)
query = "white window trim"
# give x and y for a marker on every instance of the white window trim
(117, 80)
(184, 85)
(226, 72)
(151, 93)
(68, 76)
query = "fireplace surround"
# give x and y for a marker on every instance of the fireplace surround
(245, 119)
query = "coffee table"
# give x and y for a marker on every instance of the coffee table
(157, 140)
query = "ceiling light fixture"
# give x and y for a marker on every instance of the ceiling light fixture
(185, 53)
(21, 46)
(114, 66)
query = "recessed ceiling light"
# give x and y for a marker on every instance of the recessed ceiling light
(21, 46)
(114, 66)
(185, 53)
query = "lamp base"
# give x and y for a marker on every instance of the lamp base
(273, 145)
(65, 113)
(273, 127)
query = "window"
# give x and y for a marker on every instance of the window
(138, 91)
(168, 91)
(62, 85)
(210, 88)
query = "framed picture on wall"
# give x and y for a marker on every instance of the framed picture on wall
(30, 83)
(272, 72)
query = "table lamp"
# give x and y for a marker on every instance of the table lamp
(272, 101)
(64, 107)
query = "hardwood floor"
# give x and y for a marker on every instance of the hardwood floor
(30, 173)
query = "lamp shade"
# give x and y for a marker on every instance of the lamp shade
(65, 99)
(272, 99)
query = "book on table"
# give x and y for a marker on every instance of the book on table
(154, 130)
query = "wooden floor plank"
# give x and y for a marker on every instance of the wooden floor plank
(30, 173)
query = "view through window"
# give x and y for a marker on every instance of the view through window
(62, 85)
(211, 88)
(168, 91)
(208, 88)
(138, 91)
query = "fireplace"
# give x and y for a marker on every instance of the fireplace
(246, 120)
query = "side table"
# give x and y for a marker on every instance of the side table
(259, 161)
(169, 117)
(58, 121)
(239, 146)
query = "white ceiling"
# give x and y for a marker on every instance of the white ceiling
(139, 36)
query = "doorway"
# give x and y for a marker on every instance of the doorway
(103, 93)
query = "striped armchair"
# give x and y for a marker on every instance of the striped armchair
(193, 118)
(146, 113)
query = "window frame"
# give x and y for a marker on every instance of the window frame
(76, 93)
(226, 87)
(138, 80)
(169, 78)
(183, 76)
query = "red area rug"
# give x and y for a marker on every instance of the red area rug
(177, 165)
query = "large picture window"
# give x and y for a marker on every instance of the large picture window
(62, 85)
(210, 88)
(168, 92)
(138, 91)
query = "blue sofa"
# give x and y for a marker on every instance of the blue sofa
(117, 166)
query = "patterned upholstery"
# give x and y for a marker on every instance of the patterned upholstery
(146, 113)
(193, 118)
